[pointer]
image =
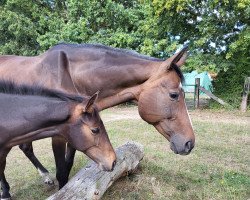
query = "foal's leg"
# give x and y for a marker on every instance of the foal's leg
(5, 195)
(59, 146)
(69, 158)
(27, 149)
(4, 184)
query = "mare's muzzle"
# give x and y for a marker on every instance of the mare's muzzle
(181, 145)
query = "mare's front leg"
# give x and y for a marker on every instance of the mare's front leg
(27, 149)
(69, 158)
(5, 194)
(59, 146)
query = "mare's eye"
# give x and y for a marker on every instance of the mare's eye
(95, 131)
(174, 96)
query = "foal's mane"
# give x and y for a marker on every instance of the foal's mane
(119, 51)
(9, 87)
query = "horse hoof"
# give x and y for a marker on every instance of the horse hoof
(48, 180)
(7, 198)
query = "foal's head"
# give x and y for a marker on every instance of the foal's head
(161, 103)
(88, 134)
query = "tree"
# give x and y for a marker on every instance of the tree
(44, 23)
(217, 32)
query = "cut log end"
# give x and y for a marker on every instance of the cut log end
(91, 183)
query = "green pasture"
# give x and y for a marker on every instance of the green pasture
(218, 167)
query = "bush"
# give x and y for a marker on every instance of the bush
(229, 84)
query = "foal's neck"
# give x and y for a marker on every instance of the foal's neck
(34, 135)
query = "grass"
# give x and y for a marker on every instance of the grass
(218, 167)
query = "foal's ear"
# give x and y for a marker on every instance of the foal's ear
(89, 108)
(178, 58)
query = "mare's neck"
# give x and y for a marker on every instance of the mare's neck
(117, 81)
(132, 81)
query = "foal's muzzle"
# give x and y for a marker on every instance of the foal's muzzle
(179, 144)
(107, 168)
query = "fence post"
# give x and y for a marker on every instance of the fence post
(197, 93)
(246, 90)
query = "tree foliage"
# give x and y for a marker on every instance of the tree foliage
(41, 24)
(217, 31)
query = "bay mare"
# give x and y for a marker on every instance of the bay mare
(29, 113)
(120, 76)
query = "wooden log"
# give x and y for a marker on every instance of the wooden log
(91, 183)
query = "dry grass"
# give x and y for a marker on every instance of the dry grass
(218, 167)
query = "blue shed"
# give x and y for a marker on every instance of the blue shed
(205, 81)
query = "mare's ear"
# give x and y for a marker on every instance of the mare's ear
(178, 58)
(89, 108)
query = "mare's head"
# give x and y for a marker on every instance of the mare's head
(88, 134)
(161, 103)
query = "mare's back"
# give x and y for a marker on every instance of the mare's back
(20, 69)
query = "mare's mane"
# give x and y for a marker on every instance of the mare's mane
(9, 87)
(178, 72)
(107, 48)
(120, 52)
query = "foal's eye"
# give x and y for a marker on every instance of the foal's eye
(174, 96)
(95, 131)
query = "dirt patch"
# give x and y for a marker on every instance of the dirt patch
(220, 116)
(120, 113)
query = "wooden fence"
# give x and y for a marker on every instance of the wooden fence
(246, 91)
(196, 98)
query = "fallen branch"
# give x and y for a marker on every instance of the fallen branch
(91, 183)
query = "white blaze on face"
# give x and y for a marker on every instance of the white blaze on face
(180, 87)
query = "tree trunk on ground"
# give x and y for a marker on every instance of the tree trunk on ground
(91, 183)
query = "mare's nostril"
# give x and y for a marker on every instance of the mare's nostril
(113, 165)
(188, 146)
